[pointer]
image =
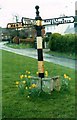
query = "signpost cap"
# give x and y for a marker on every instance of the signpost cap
(37, 13)
(36, 7)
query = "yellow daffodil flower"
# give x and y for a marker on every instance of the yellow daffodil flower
(24, 82)
(26, 88)
(21, 76)
(25, 76)
(28, 72)
(17, 83)
(29, 76)
(46, 73)
(34, 86)
(69, 78)
(29, 87)
(37, 73)
(65, 75)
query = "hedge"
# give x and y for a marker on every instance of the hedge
(63, 43)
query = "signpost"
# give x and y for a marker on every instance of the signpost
(38, 28)
(38, 23)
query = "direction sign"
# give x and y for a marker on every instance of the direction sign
(60, 20)
(28, 21)
(53, 21)
(14, 25)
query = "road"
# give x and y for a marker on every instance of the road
(31, 52)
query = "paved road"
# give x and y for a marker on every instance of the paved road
(33, 53)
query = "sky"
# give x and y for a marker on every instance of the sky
(26, 8)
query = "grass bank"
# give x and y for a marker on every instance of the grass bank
(57, 105)
(65, 55)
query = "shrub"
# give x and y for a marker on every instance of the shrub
(54, 41)
(62, 43)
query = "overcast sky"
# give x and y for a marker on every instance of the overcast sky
(26, 8)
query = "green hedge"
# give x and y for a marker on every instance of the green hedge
(63, 43)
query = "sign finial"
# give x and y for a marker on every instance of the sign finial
(37, 12)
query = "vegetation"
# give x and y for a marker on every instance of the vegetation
(62, 43)
(20, 46)
(0, 84)
(64, 55)
(22, 33)
(14, 105)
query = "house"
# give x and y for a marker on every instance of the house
(62, 28)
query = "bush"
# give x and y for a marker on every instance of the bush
(54, 41)
(62, 43)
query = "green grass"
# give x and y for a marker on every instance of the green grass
(0, 84)
(19, 46)
(65, 55)
(57, 105)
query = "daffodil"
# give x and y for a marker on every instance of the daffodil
(69, 78)
(17, 83)
(65, 75)
(26, 71)
(21, 76)
(34, 86)
(26, 88)
(24, 82)
(37, 73)
(25, 76)
(46, 73)
(29, 87)
(29, 72)
(29, 76)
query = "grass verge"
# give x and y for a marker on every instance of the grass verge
(65, 55)
(57, 105)
(19, 46)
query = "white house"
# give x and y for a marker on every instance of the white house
(62, 28)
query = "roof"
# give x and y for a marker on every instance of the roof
(71, 30)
